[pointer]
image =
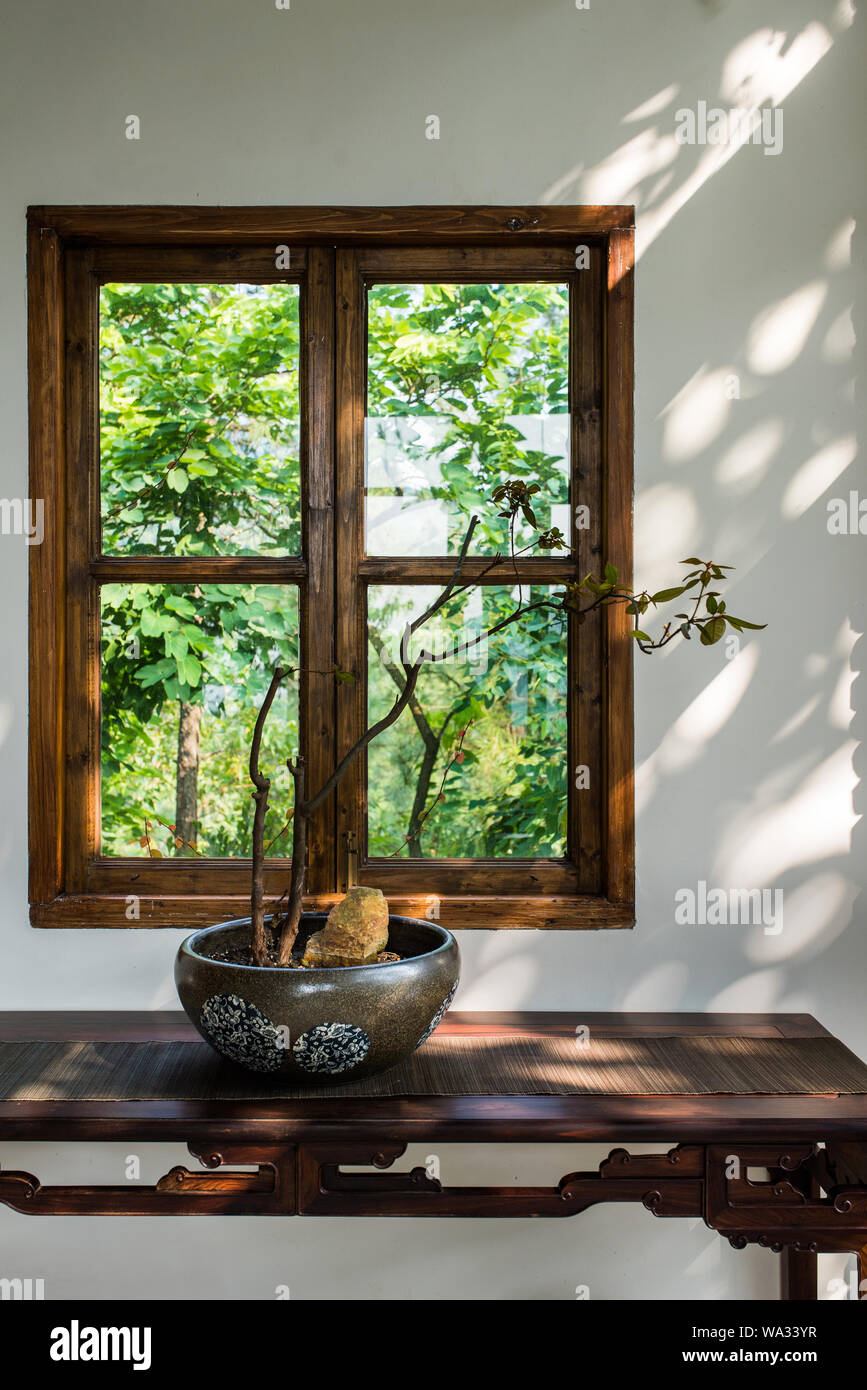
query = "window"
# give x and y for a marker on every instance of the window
(260, 435)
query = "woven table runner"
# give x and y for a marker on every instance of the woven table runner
(446, 1066)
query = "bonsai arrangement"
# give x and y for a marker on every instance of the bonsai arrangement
(357, 929)
(257, 991)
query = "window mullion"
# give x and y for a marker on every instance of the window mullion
(350, 625)
(82, 699)
(586, 715)
(317, 683)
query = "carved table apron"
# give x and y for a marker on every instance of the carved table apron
(810, 1194)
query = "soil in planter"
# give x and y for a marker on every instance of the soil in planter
(240, 953)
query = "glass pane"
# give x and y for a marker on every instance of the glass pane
(199, 419)
(184, 670)
(467, 386)
(506, 797)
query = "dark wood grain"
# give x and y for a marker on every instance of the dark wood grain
(438, 569)
(588, 803)
(82, 687)
(450, 1119)
(619, 738)
(318, 689)
(206, 569)
(45, 355)
(340, 1156)
(351, 629)
(669, 1184)
(543, 1118)
(798, 1274)
(466, 264)
(110, 883)
(473, 877)
(329, 225)
(197, 265)
(137, 1025)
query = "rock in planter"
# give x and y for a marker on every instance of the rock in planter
(355, 932)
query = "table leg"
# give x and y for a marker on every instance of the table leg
(799, 1271)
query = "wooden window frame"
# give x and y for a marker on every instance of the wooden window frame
(340, 251)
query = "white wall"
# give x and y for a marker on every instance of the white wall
(748, 768)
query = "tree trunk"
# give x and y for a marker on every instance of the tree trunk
(432, 742)
(187, 787)
(422, 791)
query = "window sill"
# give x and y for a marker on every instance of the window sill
(563, 913)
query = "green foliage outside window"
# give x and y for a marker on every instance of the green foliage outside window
(200, 428)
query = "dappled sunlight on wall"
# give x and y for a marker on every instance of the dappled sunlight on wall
(698, 414)
(778, 335)
(661, 987)
(703, 718)
(747, 757)
(505, 967)
(770, 836)
(751, 411)
(757, 991)
(761, 71)
(667, 523)
(816, 912)
(814, 477)
(838, 344)
(838, 253)
(744, 464)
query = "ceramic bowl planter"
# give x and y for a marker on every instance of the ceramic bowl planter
(319, 1027)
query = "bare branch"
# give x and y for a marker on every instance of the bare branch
(298, 871)
(260, 796)
(447, 592)
(367, 737)
(411, 672)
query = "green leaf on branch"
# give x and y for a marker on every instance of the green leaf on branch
(666, 595)
(154, 624)
(154, 673)
(741, 623)
(712, 631)
(177, 603)
(189, 670)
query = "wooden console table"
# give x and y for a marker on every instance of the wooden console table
(783, 1169)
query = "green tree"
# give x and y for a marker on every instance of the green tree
(199, 437)
(464, 383)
